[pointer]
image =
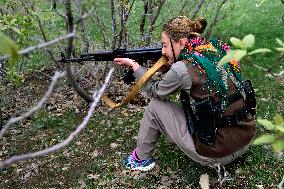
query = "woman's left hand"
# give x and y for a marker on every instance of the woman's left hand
(124, 61)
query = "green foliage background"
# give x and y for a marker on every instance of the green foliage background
(258, 167)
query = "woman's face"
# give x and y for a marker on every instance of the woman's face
(167, 48)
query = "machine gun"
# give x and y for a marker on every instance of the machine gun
(140, 55)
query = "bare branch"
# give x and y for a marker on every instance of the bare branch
(123, 12)
(41, 29)
(69, 49)
(182, 8)
(124, 16)
(143, 19)
(69, 26)
(153, 20)
(29, 49)
(281, 73)
(215, 18)
(84, 16)
(41, 45)
(129, 11)
(280, 185)
(114, 26)
(96, 96)
(43, 100)
(198, 7)
(102, 27)
(278, 61)
(54, 9)
(81, 25)
(268, 69)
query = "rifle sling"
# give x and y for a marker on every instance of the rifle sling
(135, 89)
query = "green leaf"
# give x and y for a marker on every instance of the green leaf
(280, 49)
(264, 139)
(239, 54)
(232, 55)
(13, 21)
(262, 50)
(260, 3)
(279, 42)
(237, 42)
(248, 41)
(281, 129)
(229, 56)
(267, 124)
(278, 145)
(8, 47)
(278, 119)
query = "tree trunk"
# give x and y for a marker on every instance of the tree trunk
(69, 49)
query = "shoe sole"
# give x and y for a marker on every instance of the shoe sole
(148, 168)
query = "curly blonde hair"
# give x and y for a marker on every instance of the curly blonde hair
(182, 26)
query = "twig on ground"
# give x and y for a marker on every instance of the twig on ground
(281, 73)
(280, 185)
(42, 73)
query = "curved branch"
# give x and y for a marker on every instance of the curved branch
(43, 100)
(96, 98)
(215, 19)
(281, 73)
(77, 88)
(84, 16)
(198, 7)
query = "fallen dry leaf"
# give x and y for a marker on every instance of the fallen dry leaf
(95, 154)
(113, 145)
(91, 176)
(162, 187)
(82, 184)
(204, 181)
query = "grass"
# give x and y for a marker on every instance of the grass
(94, 159)
(266, 25)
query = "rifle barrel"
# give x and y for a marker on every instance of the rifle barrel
(141, 54)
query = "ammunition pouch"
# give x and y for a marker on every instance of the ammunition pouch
(207, 113)
(250, 97)
(188, 112)
(209, 118)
